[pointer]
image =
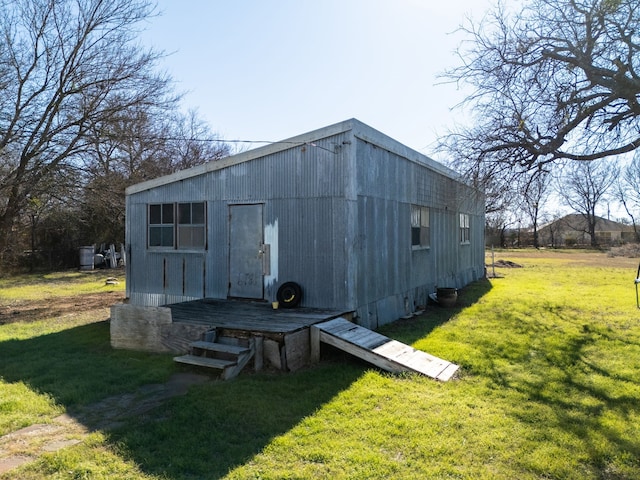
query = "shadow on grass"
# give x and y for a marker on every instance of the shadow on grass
(570, 385)
(219, 426)
(592, 400)
(77, 366)
(215, 427)
(411, 330)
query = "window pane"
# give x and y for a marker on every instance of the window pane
(167, 213)
(184, 237)
(155, 236)
(167, 236)
(415, 216)
(415, 236)
(161, 236)
(424, 236)
(464, 228)
(197, 213)
(160, 228)
(424, 217)
(189, 237)
(155, 214)
(184, 213)
(200, 237)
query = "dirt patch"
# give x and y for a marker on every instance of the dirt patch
(570, 257)
(29, 311)
(507, 264)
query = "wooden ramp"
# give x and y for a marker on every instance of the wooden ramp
(377, 349)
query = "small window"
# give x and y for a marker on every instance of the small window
(161, 225)
(181, 225)
(191, 225)
(420, 235)
(464, 228)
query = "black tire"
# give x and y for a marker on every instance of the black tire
(289, 295)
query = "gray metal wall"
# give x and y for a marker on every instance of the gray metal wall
(393, 278)
(337, 216)
(302, 189)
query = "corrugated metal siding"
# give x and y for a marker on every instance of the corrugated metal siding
(342, 210)
(304, 171)
(310, 249)
(302, 188)
(382, 249)
(217, 264)
(393, 278)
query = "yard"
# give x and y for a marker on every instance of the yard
(549, 388)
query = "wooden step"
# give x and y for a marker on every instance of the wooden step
(219, 347)
(215, 363)
(229, 357)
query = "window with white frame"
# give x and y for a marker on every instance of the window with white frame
(420, 235)
(464, 228)
(181, 225)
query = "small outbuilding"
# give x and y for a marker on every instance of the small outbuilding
(348, 218)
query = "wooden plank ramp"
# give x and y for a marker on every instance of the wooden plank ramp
(378, 350)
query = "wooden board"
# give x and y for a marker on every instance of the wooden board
(204, 361)
(219, 347)
(257, 317)
(296, 348)
(377, 349)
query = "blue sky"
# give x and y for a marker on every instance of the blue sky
(272, 69)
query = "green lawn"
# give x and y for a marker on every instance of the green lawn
(549, 388)
(55, 285)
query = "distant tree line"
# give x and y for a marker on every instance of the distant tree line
(555, 99)
(84, 113)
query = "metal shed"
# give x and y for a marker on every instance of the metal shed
(361, 222)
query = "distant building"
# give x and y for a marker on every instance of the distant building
(572, 230)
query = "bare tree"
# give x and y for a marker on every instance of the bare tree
(497, 223)
(628, 192)
(535, 193)
(139, 144)
(583, 187)
(553, 229)
(192, 142)
(560, 79)
(66, 66)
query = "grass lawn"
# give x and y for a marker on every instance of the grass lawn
(549, 388)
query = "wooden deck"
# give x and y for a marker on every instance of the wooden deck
(281, 336)
(378, 350)
(286, 339)
(248, 316)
